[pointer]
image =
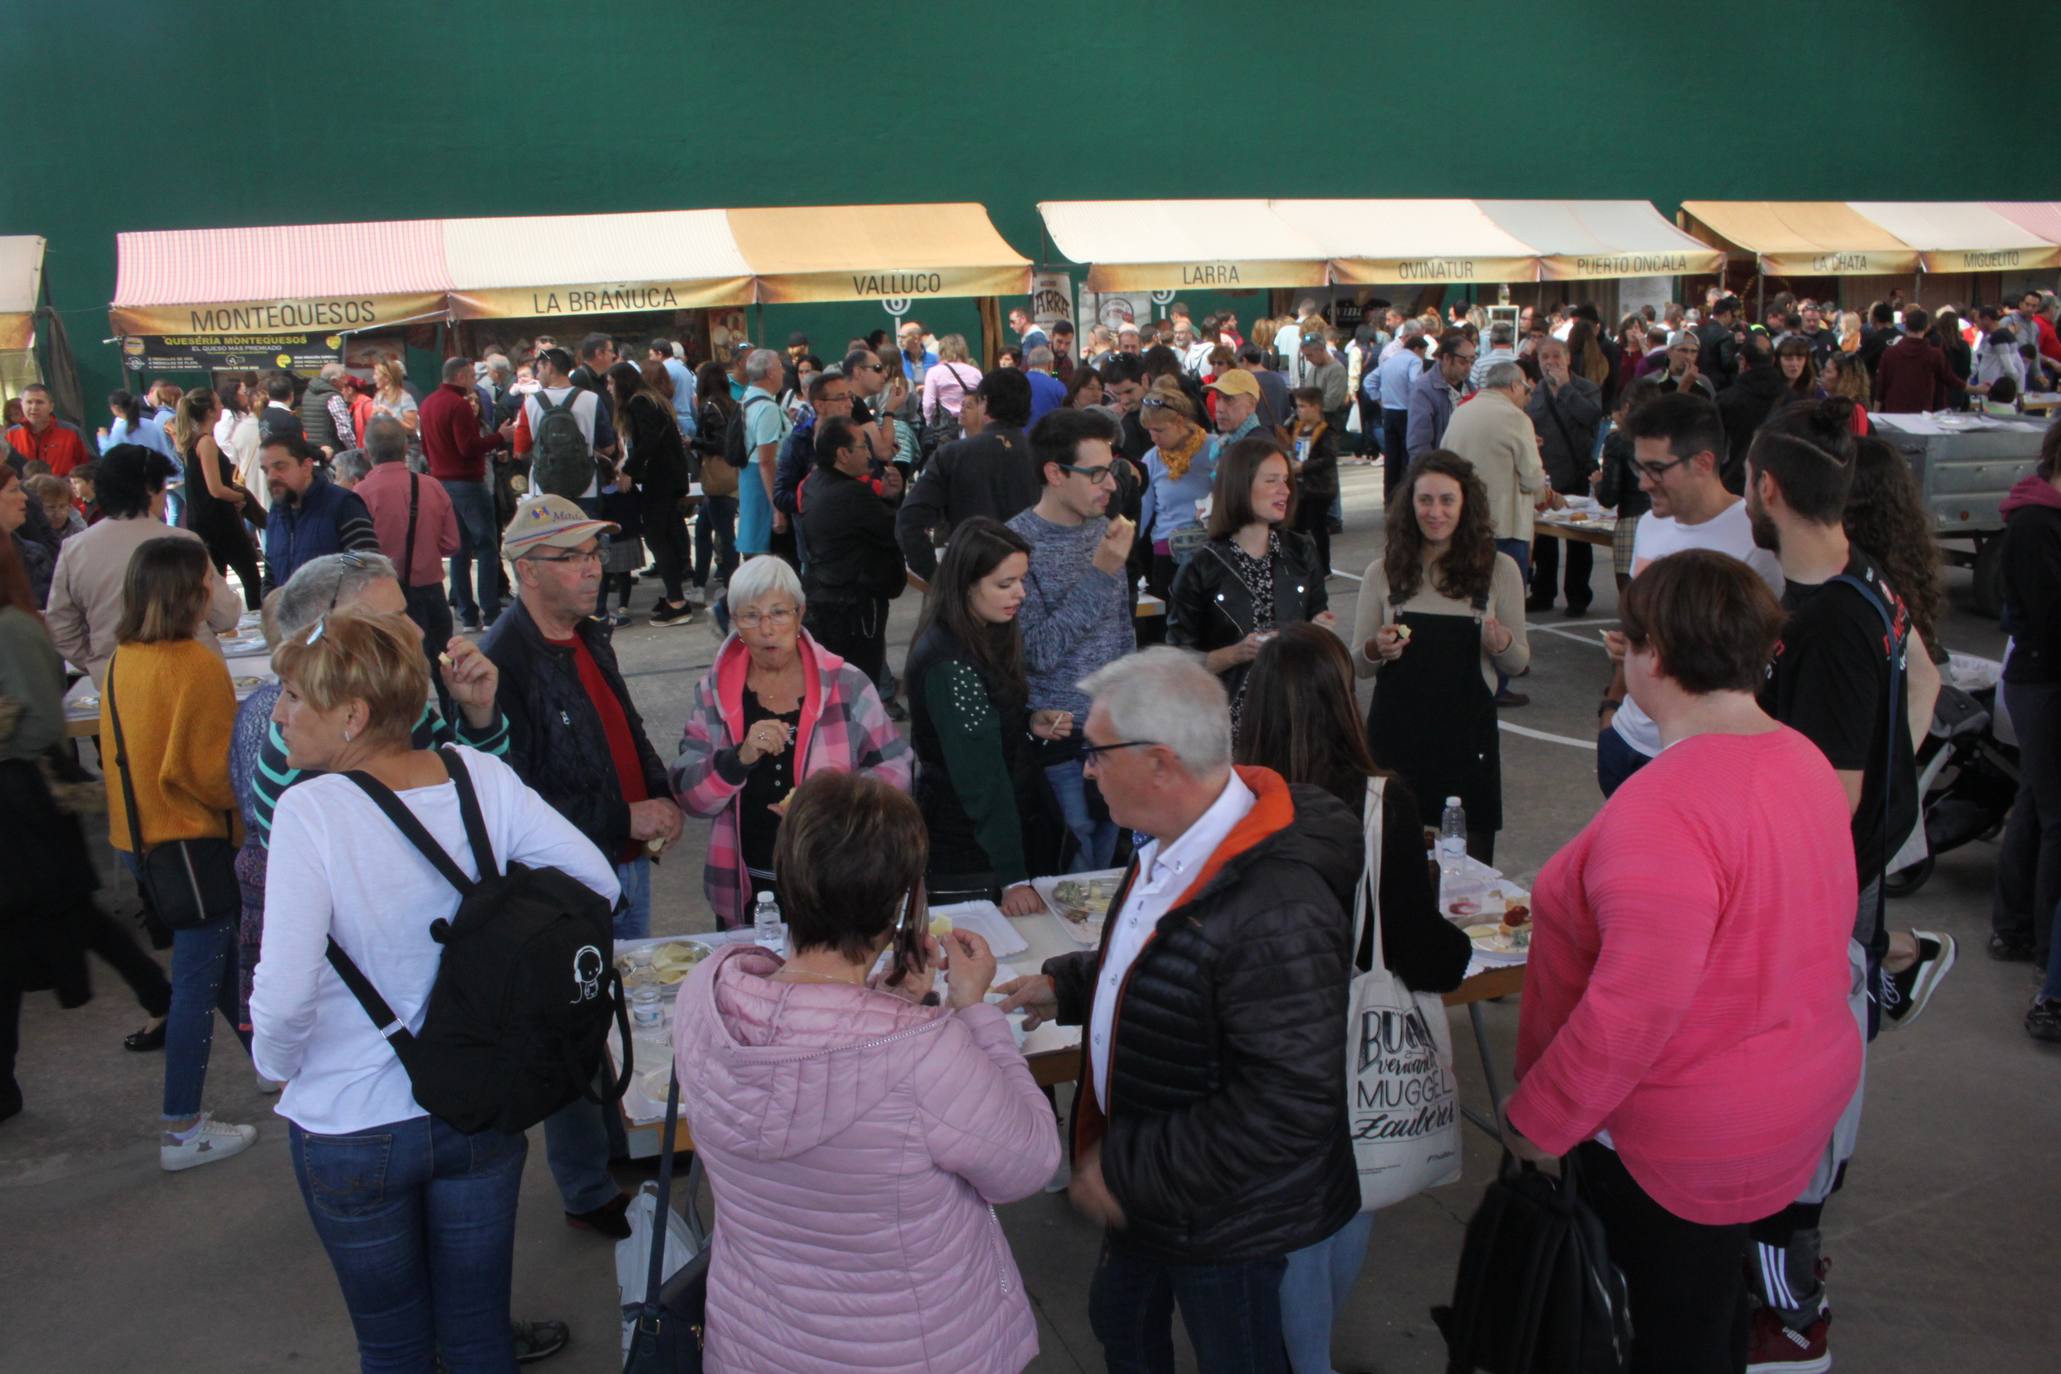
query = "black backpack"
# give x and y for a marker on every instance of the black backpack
(561, 460)
(519, 1013)
(736, 447)
(1536, 1293)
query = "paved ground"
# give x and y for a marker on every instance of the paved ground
(1939, 1244)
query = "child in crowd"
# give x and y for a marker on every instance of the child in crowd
(624, 553)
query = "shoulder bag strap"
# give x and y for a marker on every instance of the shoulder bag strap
(408, 546)
(114, 713)
(1367, 897)
(1895, 649)
(468, 808)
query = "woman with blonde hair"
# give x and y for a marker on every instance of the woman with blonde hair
(946, 386)
(214, 502)
(1849, 332)
(1178, 471)
(417, 1216)
(1844, 374)
(390, 397)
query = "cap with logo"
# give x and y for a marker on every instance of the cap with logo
(550, 522)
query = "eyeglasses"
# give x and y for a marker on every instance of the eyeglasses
(780, 617)
(1105, 473)
(1656, 471)
(1463, 357)
(355, 562)
(1092, 752)
(590, 556)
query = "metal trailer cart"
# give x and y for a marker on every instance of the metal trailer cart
(1965, 464)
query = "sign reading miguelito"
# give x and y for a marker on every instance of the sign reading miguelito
(230, 352)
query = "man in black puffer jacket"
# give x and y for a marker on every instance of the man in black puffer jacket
(1210, 1133)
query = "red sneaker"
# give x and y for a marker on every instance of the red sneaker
(1775, 1347)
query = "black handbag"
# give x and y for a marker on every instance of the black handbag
(187, 883)
(672, 1325)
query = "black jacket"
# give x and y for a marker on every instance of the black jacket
(1566, 423)
(555, 740)
(1744, 406)
(1209, 606)
(1226, 1136)
(990, 474)
(1717, 353)
(658, 455)
(1619, 489)
(849, 532)
(2032, 589)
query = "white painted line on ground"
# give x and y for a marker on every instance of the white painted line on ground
(1593, 640)
(1530, 733)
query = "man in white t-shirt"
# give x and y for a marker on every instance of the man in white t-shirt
(1676, 440)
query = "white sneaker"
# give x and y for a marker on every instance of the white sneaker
(209, 1141)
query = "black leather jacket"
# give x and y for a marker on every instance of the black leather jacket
(556, 743)
(1210, 606)
(1226, 1133)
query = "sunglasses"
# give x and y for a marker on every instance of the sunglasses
(355, 562)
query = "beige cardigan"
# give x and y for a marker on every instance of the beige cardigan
(1498, 438)
(86, 590)
(1506, 599)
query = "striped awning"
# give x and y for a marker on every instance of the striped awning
(349, 277)
(21, 285)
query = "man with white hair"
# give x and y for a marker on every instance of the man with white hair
(1048, 393)
(1494, 433)
(1210, 1134)
(325, 414)
(766, 427)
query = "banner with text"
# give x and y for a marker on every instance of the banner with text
(300, 352)
(330, 315)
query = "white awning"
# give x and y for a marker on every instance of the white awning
(1961, 236)
(542, 265)
(1580, 240)
(1377, 242)
(21, 285)
(1172, 245)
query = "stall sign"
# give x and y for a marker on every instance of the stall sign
(299, 352)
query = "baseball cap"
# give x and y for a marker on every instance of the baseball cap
(797, 340)
(1236, 381)
(550, 522)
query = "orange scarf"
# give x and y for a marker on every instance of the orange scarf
(1182, 454)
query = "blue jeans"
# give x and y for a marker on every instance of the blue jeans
(1519, 551)
(1097, 838)
(1317, 1283)
(580, 1136)
(633, 917)
(1232, 1312)
(473, 503)
(715, 534)
(1615, 761)
(418, 1220)
(204, 982)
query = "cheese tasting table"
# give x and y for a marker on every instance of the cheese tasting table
(243, 649)
(1022, 944)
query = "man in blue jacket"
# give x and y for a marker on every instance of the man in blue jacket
(311, 515)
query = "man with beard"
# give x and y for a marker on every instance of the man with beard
(1851, 675)
(310, 514)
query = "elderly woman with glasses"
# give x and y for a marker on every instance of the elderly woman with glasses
(775, 707)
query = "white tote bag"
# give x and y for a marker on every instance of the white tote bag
(1402, 1101)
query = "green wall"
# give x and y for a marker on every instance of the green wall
(132, 115)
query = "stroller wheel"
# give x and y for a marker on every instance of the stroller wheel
(1905, 881)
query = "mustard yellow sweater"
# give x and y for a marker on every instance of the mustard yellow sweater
(178, 709)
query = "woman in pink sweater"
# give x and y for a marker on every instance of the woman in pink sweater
(1685, 1033)
(857, 1139)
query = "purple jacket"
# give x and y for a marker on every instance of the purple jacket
(844, 729)
(855, 1143)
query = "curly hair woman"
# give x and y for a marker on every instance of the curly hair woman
(1886, 516)
(1439, 612)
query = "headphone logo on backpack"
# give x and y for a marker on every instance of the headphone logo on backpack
(587, 966)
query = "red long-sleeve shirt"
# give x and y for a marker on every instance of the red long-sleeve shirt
(1913, 376)
(451, 441)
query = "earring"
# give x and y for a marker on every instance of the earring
(347, 734)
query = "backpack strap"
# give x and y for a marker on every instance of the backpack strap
(1894, 648)
(469, 810)
(390, 1027)
(417, 834)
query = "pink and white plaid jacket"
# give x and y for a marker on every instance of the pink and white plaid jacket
(844, 728)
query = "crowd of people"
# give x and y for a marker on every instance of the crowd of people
(435, 577)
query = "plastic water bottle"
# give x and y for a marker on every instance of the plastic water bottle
(765, 923)
(1452, 845)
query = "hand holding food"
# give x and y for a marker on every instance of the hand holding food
(1115, 548)
(972, 968)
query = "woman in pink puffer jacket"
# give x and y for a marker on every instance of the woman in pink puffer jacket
(856, 1140)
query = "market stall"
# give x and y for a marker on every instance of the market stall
(1815, 247)
(294, 297)
(21, 287)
